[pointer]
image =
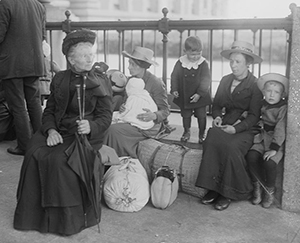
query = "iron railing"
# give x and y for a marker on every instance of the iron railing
(165, 37)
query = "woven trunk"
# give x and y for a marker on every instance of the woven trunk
(154, 154)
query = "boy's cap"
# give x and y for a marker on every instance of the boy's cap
(274, 77)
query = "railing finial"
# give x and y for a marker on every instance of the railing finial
(66, 24)
(165, 11)
(68, 14)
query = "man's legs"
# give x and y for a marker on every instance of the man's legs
(33, 102)
(15, 97)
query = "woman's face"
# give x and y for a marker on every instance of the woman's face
(82, 57)
(135, 70)
(238, 65)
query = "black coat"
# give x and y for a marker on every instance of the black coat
(21, 36)
(189, 82)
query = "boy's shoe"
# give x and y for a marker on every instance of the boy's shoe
(256, 193)
(185, 136)
(201, 138)
(269, 197)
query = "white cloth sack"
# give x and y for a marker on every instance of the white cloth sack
(126, 186)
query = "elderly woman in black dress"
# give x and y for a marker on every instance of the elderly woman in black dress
(50, 196)
(235, 111)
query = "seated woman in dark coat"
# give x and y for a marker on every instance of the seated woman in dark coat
(50, 196)
(236, 110)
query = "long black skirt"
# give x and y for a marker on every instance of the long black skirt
(50, 195)
(223, 168)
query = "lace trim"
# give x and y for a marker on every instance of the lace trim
(186, 63)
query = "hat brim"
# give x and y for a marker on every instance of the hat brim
(126, 54)
(226, 54)
(273, 77)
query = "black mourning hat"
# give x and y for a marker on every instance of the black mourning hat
(76, 36)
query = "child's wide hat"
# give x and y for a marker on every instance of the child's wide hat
(142, 54)
(242, 47)
(273, 77)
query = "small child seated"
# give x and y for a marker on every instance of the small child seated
(267, 150)
(137, 102)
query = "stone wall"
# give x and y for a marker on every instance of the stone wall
(291, 174)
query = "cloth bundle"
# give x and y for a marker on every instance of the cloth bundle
(126, 186)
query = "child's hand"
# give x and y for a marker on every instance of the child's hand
(176, 94)
(122, 108)
(269, 154)
(194, 98)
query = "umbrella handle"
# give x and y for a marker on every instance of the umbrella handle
(79, 100)
(83, 95)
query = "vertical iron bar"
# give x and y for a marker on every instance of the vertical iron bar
(123, 48)
(260, 50)
(142, 37)
(270, 50)
(210, 63)
(119, 48)
(180, 43)
(104, 45)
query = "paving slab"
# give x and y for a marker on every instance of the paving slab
(185, 221)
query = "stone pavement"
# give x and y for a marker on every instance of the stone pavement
(186, 221)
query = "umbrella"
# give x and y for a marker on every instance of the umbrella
(85, 161)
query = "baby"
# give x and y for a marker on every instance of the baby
(137, 102)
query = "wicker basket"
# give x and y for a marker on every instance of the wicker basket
(154, 154)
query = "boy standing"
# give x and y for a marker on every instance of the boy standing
(190, 82)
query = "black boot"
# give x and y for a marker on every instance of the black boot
(187, 133)
(269, 197)
(256, 193)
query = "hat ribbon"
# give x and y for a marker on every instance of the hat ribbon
(242, 48)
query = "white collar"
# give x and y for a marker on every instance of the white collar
(186, 63)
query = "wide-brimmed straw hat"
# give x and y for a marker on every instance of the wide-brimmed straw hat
(273, 77)
(76, 36)
(242, 47)
(142, 54)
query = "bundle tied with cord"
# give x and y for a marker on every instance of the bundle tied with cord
(126, 186)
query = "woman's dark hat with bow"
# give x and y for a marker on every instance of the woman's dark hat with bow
(76, 36)
(242, 47)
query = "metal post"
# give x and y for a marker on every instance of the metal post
(163, 27)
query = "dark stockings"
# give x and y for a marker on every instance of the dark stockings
(264, 170)
(186, 123)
